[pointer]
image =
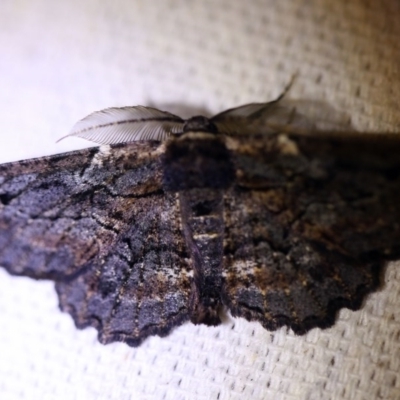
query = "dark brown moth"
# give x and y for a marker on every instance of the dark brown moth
(173, 219)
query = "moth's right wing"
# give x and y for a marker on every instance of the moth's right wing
(98, 223)
(309, 226)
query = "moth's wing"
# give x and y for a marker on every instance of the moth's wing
(308, 227)
(282, 115)
(98, 222)
(126, 125)
(54, 211)
(142, 286)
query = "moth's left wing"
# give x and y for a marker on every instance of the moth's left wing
(52, 209)
(98, 223)
(309, 226)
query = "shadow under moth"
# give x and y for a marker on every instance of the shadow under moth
(171, 220)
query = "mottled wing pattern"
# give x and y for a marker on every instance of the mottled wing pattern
(98, 222)
(308, 227)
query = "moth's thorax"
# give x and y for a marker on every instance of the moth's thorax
(197, 160)
(199, 124)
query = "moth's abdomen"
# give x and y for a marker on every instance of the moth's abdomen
(190, 163)
(202, 220)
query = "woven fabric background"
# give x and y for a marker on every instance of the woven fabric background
(62, 60)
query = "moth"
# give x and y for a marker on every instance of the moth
(171, 220)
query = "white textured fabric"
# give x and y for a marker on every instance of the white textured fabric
(62, 60)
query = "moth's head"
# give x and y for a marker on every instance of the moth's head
(199, 124)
